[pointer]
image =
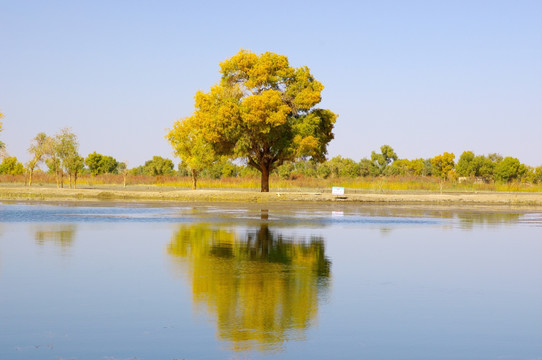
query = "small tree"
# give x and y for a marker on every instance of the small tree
(67, 149)
(74, 166)
(189, 144)
(53, 161)
(38, 150)
(443, 167)
(123, 170)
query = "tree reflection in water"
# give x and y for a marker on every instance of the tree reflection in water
(263, 288)
(61, 235)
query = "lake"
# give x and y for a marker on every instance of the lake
(248, 281)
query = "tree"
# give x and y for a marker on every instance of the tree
(38, 150)
(191, 146)
(508, 169)
(263, 111)
(466, 165)
(109, 165)
(64, 157)
(11, 166)
(74, 167)
(53, 161)
(382, 160)
(93, 163)
(101, 164)
(443, 165)
(159, 166)
(123, 170)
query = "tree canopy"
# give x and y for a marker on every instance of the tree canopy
(63, 157)
(158, 166)
(263, 110)
(383, 160)
(101, 164)
(443, 165)
(509, 169)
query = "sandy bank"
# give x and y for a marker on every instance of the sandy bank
(159, 194)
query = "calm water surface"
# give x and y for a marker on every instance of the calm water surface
(185, 281)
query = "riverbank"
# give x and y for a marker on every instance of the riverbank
(149, 193)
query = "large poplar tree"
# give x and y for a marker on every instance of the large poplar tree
(264, 111)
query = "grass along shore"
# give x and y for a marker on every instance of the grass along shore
(161, 193)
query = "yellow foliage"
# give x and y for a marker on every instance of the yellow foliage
(307, 146)
(188, 143)
(264, 111)
(443, 165)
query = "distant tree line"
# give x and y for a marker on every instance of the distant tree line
(469, 167)
(60, 155)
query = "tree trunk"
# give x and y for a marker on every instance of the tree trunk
(75, 181)
(265, 178)
(124, 180)
(194, 179)
(30, 177)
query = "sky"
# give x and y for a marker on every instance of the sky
(425, 77)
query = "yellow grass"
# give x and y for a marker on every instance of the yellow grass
(301, 183)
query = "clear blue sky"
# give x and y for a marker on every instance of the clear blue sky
(422, 76)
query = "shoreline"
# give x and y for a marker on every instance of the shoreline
(157, 194)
